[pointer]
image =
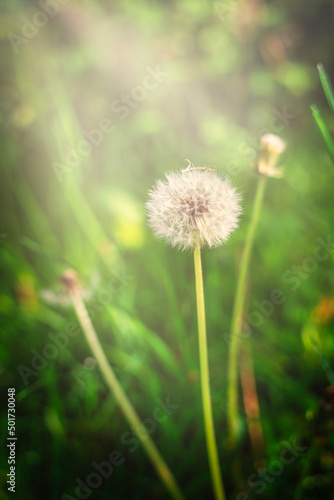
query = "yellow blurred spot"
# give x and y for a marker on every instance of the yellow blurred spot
(128, 220)
(129, 234)
(23, 116)
(309, 415)
(25, 291)
(310, 337)
(54, 423)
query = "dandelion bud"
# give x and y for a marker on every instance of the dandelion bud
(271, 148)
(69, 280)
(193, 207)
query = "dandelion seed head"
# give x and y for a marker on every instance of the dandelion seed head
(193, 207)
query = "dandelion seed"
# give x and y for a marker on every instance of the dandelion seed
(193, 207)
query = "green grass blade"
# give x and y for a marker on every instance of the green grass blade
(324, 131)
(133, 332)
(327, 86)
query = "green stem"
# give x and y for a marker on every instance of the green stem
(129, 412)
(237, 314)
(205, 384)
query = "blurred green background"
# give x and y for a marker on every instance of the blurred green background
(152, 83)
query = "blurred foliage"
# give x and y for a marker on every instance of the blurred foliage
(225, 73)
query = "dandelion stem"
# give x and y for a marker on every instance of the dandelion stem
(129, 412)
(205, 384)
(237, 314)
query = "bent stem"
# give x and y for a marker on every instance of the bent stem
(129, 412)
(205, 384)
(237, 315)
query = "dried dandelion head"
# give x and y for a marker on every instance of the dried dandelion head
(69, 283)
(69, 280)
(271, 148)
(193, 207)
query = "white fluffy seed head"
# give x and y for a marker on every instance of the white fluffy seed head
(193, 207)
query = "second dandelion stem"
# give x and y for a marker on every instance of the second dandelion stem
(130, 413)
(237, 314)
(205, 382)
